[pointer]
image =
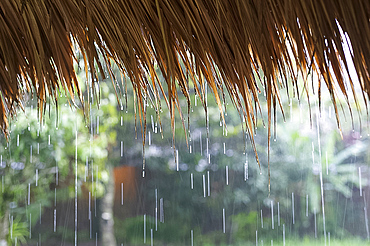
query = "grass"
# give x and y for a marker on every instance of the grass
(309, 242)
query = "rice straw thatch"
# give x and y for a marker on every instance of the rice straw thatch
(221, 43)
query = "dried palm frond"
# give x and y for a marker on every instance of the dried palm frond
(222, 43)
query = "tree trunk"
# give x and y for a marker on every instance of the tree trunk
(106, 220)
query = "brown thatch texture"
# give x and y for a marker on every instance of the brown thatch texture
(225, 43)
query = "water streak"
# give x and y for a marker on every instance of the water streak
(278, 213)
(144, 228)
(192, 181)
(272, 215)
(177, 160)
(30, 225)
(223, 221)
(208, 184)
(307, 205)
(261, 219)
(121, 148)
(156, 209)
(121, 193)
(227, 175)
(246, 174)
(192, 237)
(55, 220)
(293, 208)
(204, 185)
(151, 237)
(161, 210)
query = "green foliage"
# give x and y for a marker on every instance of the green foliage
(245, 225)
(18, 232)
(131, 231)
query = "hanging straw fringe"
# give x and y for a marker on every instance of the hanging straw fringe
(225, 43)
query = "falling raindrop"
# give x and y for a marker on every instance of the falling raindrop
(284, 234)
(223, 221)
(272, 215)
(208, 184)
(192, 237)
(151, 118)
(246, 171)
(227, 175)
(55, 220)
(177, 160)
(161, 210)
(151, 237)
(40, 214)
(293, 208)
(30, 154)
(256, 238)
(204, 185)
(89, 215)
(144, 228)
(261, 219)
(29, 193)
(30, 225)
(121, 193)
(278, 213)
(37, 176)
(18, 140)
(121, 148)
(191, 181)
(156, 209)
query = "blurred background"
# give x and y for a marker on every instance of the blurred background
(71, 177)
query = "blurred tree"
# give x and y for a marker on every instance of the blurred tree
(41, 156)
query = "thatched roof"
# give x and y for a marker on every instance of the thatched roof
(224, 43)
